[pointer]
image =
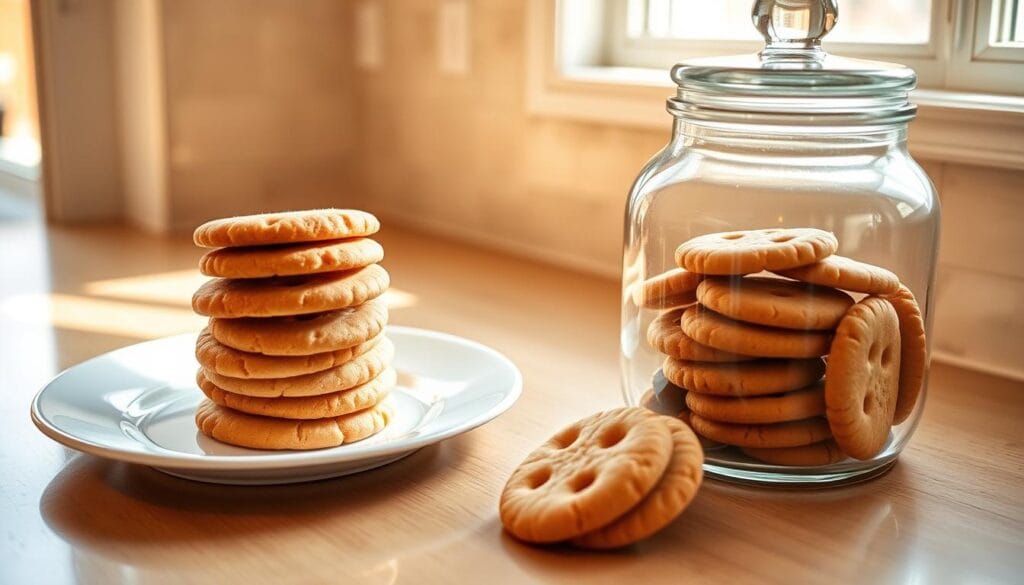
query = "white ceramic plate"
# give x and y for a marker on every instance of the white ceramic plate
(137, 403)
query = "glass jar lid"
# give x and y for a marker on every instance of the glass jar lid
(793, 80)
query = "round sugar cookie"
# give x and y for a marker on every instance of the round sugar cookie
(774, 302)
(305, 407)
(263, 432)
(287, 227)
(359, 371)
(754, 378)
(711, 329)
(822, 453)
(301, 335)
(846, 274)
(665, 335)
(750, 251)
(674, 288)
(787, 434)
(665, 502)
(913, 352)
(228, 361)
(291, 260)
(862, 378)
(774, 408)
(290, 295)
(586, 476)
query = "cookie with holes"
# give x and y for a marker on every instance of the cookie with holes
(666, 501)
(774, 302)
(743, 379)
(301, 335)
(862, 378)
(728, 335)
(290, 295)
(913, 352)
(586, 476)
(665, 335)
(291, 260)
(750, 251)
(674, 288)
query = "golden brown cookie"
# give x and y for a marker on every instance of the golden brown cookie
(665, 335)
(305, 407)
(847, 274)
(774, 408)
(787, 434)
(228, 361)
(711, 329)
(287, 227)
(913, 352)
(862, 377)
(263, 432)
(301, 335)
(755, 378)
(291, 260)
(674, 288)
(822, 453)
(750, 251)
(586, 476)
(290, 295)
(665, 502)
(774, 302)
(360, 370)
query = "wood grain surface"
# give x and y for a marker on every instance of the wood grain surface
(950, 511)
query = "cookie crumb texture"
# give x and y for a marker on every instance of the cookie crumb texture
(748, 322)
(295, 355)
(606, 481)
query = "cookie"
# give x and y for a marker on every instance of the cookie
(755, 378)
(665, 335)
(665, 502)
(303, 334)
(674, 288)
(787, 434)
(287, 227)
(750, 251)
(586, 476)
(862, 377)
(348, 375)
(847, 274)
(290, 295)
(774, 302)
(305, 407)
(262, 432)
(711, 329)
(822, 453)
(228, 361)
(913, 352)
(290, 260)
(775, 408)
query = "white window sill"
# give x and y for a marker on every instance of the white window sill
(951, 126)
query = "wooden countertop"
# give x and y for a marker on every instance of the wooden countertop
(951, 511)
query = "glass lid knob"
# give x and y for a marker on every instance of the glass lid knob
(794, 28)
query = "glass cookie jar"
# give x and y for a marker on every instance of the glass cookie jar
(779, 260)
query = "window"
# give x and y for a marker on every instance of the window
(969, 45)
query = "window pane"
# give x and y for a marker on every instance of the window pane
(1011, 25)
(860, 21)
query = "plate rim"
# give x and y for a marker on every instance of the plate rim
(287, 459)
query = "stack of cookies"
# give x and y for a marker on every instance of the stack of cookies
(294, 356)
(807, 364)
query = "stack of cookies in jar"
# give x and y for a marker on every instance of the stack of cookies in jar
(778, 347)
(294, 355)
